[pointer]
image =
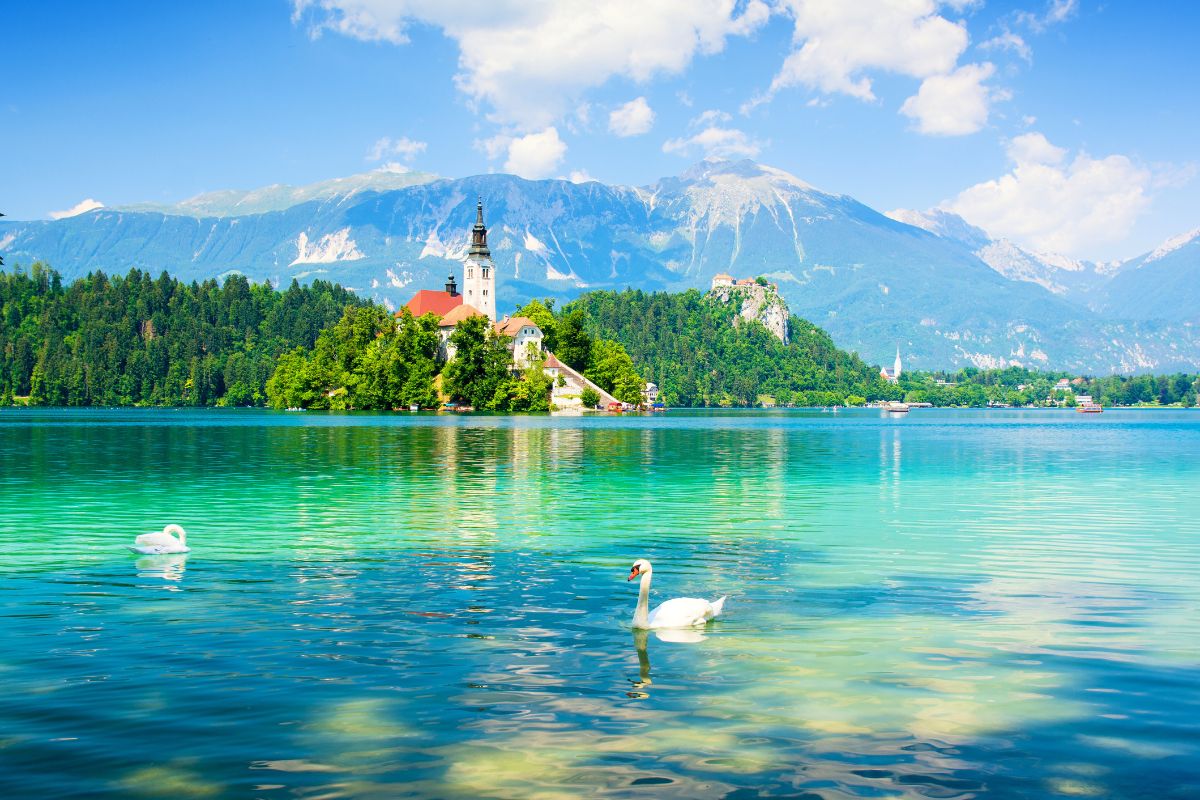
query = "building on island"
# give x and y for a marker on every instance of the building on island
(448, 323)
(429, 301)
(478, 299)
(525, 339)
(479, 273)
(892, 375)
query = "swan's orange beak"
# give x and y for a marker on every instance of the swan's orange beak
(633, 573)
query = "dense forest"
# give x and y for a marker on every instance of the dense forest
(688, 344)
(138, 340)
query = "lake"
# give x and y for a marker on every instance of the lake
(943, 604)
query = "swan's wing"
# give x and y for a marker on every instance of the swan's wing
(158, 538)
(681, 612)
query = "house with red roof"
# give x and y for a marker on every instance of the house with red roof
(526, 339)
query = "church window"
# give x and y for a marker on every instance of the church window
(470, 272)
(485, 292)
(485, 273)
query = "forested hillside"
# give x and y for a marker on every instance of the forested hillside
(138, 340)
(690, 346)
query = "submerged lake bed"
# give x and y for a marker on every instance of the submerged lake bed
(943, 604)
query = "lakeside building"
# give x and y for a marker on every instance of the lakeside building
(478, 299)
(892, 375)
(525, 339)
(479, 273)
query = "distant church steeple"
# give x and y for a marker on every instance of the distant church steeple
(896, 367)
(479, 278)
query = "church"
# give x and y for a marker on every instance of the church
(477, 299)
(479, 281)
(892, 375)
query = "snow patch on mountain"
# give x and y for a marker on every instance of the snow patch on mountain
(436, 248)
(536, 245)
(330, 248)
(399, 281)
(554, 275)
(1020, 265)
(1171, 245)
(725, 194)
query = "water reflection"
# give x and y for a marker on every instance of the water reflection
(169, 567)
(426, 607)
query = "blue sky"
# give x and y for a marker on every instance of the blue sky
(1066, 125)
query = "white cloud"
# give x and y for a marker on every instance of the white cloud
(531, 59)
(1051, 202)
(580, 176)
(954, 104)
(710, 117)
(403, 147)
(715, 142)
(82, 207)
(1009, 41)
(494, 146)
(536, 155)
(634, 118)
(1056, 11)
(838, 42)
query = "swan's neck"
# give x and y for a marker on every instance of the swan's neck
(641, 616)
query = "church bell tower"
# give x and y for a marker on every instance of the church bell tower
(479, 278)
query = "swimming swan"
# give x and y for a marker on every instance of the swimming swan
(161, 542)
(679, 612)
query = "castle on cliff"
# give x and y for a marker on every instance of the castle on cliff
(760, 301)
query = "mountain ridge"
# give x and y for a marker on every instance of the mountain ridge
(874, 282)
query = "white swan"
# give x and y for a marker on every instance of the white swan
(161, 542)
(679, 612)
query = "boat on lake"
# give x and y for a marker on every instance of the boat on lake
(1089, 408)
(896, 407)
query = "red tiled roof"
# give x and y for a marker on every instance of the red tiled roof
(458, 314)
(552, 361)
(428, 301)
(513, 325)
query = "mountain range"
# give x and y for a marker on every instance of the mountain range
(945, 292)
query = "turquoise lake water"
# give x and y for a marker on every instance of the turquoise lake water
(945, 604)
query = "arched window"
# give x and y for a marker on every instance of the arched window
(470, 272)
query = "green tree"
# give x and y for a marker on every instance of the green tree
(573, 344)
(479, 373)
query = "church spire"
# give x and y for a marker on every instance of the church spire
(479, 245)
